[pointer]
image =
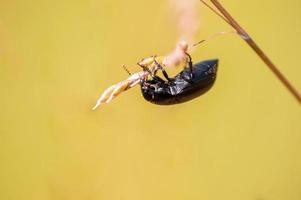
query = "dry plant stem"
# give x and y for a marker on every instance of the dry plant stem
(246, 37)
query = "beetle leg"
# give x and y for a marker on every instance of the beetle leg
(146, 69)
(189, 63)
(162, 69)
(155, 72)
(158, 79)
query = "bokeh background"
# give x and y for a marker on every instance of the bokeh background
(239, 141)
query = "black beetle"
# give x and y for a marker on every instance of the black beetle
(190, 83)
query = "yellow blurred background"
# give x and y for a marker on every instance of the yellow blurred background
(241, 140)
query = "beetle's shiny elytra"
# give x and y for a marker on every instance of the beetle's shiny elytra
(188, 84)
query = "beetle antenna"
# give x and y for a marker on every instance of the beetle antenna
(124, 67)
(216, 12)
(213, 36)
